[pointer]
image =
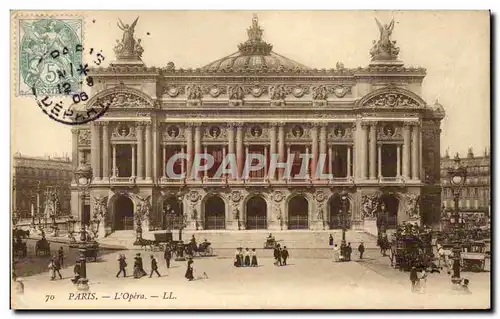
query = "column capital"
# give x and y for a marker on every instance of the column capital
(139, 126)
(281, 124)
(193, 124)
(239, 125)
(102, 123)
(75, 131)
(408, 124)
(365, 124)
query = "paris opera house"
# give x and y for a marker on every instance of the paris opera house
(381, 140)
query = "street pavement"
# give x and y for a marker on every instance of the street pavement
(305, 283)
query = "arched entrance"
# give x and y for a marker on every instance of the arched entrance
(215, 213)
(298, 213)
(388, 213)
(339, 212)
(123, 209)
(172, 210)
(256, 211)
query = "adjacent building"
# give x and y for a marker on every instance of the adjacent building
(475, 197)
(34, 178)
(381, 141)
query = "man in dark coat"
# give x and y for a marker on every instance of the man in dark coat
(277, 255)
(284, 255)
(76, 272)
(61, 256)
(167, 255)
(348, 251)
(361, 249)
(122, 264)
(413, 278)
(56, 266)
(154, 267)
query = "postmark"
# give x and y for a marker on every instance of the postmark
(46, 48)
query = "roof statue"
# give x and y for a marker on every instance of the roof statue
(255, 44)
(128, 50)
(470, 153)
(384, 49)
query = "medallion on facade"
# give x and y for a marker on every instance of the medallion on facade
(214, 90)
(340, 132)
(389, 132)
(297, 131)
(84, 137)
(256, 131)
(255, 90)
(173, 131)
(214, 132)
(340, 90)
(320, 196)
(299, 91)
(235, 196)
(173, 91)
(193, 196)
(278, 196)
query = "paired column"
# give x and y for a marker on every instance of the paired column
(148, 152)
(164, 160)
(240, 156)
(230, 142)
(406, 150)
(398, 161)
(272, 147)
(380, 161)
(140, 151)
(349, 173)
(74, 148)
(105, 150)
(114, 173)
(156, 150)
(415, 148)
(322, 145)
(133, 160)
(281, 147)
(373, 151)
(364, 150)
(197, 142)
(189, 148)
(95, 148)
(314, 150)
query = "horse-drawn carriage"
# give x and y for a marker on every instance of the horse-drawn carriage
(19, 248)
(473, 256)
(42, 247)
(204, 249)
(411, 249)
(270, 242)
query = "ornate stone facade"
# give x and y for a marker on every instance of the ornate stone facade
(381, 141)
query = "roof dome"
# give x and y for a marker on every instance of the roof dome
(254, 54)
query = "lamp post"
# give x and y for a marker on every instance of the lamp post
(343, 212)
(83, 177)
(457, 176)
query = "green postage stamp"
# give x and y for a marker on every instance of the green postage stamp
(49, 53)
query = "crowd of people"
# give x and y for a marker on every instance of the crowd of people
(245, 257)
(344, 252)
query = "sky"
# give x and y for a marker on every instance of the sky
(453, 46)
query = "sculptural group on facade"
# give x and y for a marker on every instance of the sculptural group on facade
(384, 48)
(413, 206)
(369, 206)
(128, 47)
(143, 208)
(100, 207)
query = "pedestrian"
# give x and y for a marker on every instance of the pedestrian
(122, 265)
(348, 252)
(422, 280)
(56, 266)
(237, 258)
(254, 258)
(277, 255)
(154, 267)
(242, 257)
(138, 267)
(76, 272)
(61, 256)
(413, 278)
(361, 249)
(247, 257)
(336, 253)
(189, 271)
(330, 240)
(284, 255)
(168, 256)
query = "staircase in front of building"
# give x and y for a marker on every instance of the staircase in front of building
(230, 239)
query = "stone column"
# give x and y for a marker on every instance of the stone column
(148, 152)
(314, 150)
(379, 161)
(189, 149)
(272, 145)
(94, 146)
(398, 161)
(406, 150)
(240, 156)
(81, 156)
(164, 159)
(415, 145)
(330, 155)
(322, 144)
(205, 151)
(364, 150)
(105, 151)
(265, 163)
(113, 173)
(349, 161)
(140, 151)
(74, 149)
(155, 151)
(197, 142)
(281, 147)
(230, 142)
(133, 160)
(373, 151)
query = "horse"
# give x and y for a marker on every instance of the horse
(445, 255)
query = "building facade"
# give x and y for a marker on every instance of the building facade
(380, 138)
(475, 196)
(34, 179)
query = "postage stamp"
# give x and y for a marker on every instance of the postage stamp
(47, 48)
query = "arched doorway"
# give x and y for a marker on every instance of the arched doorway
(171, 212)
(388, 211)
(256, 211)
(339, 212)
(215, 213)
(123, 213)
(298, 213)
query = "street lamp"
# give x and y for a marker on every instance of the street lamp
(343, 212)
(457, 176)
(83, 178)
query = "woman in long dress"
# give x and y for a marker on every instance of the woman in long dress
(336, 253)
(189, 271)
(237, 259)
(138, 267)
(247, 257)
(254, 258)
